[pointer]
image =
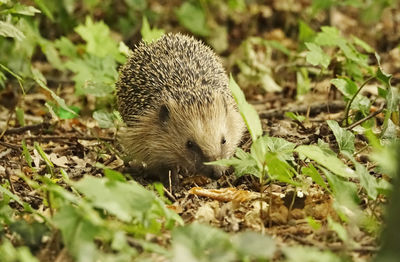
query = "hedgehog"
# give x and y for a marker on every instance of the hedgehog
(174, 98)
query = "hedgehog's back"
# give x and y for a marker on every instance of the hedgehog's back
(175, 66)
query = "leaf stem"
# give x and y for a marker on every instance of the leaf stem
(352, 99)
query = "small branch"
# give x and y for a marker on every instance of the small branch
(315, 108)
(23, 129)
(12, 146)
(169, 194)
(366, 118)
(69, 137)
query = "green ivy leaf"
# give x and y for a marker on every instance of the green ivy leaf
(41, 81)
(104, 119)
(329, 161)
(244, 164)
(344, 138)
(278, 169)
(189, 243)
(309, 254)
(280, 146)
(150, 35)
(98, 40)
(66, 47)
(124, 200)
(254, 245)
(20, 9)
(9, 30)
(312, 172)
(78, 232)
(192, 17)
(316, 56)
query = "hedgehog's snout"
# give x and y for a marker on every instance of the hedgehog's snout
(212, 171)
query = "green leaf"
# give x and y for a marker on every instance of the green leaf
(93, 72)
(98, 89)
(77, 232)
(278, 46)
(363, 45)
(129, 202)
(104, 119)
(20, 115)
(11, 253)
(280, 146)
(98, 40)
(41, 81)
(193, 17)
(345, 192)
(295, 116)
(139, 5)
(149, 35)
(43, 155)
(66, 47)
(243, 163)
(124, 200)
(253, 246)
(197, 242)
(26, 154)
(114, 175)
(367, 180)
(312, 172)
(64, 114)
(20, 9)
(346, 86)
(303, 83)
(45, 9)
(339, 229)
(329, 161)
(50, 51)
(306, 33)
(381, 75)
(316, 56)
(308, 254)
(330, 36)
(9, 30)
(249, 114)
(344, 138)
(278, 169)
(316, 225)
(30, 233)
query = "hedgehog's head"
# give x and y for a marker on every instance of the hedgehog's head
(191, 133)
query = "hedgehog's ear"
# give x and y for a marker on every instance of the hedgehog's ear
(163, 115)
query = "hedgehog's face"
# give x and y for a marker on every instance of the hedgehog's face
(201, 134)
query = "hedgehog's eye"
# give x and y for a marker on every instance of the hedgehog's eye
(223, 141)
(190, 144)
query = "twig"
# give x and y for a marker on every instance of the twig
(169, 194)
(333, 247)
(70, 137)
(8, 173)
(352, 99)
(366, 118)
(314, 109)
(22, 129)
(15, 147)
(169, 181)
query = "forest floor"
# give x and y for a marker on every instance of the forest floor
(81, 148)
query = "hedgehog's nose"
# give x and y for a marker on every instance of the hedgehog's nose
(214, 172)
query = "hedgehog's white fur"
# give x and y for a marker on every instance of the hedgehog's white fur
(183, 78)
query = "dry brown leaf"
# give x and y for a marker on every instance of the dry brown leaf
(225, 194)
